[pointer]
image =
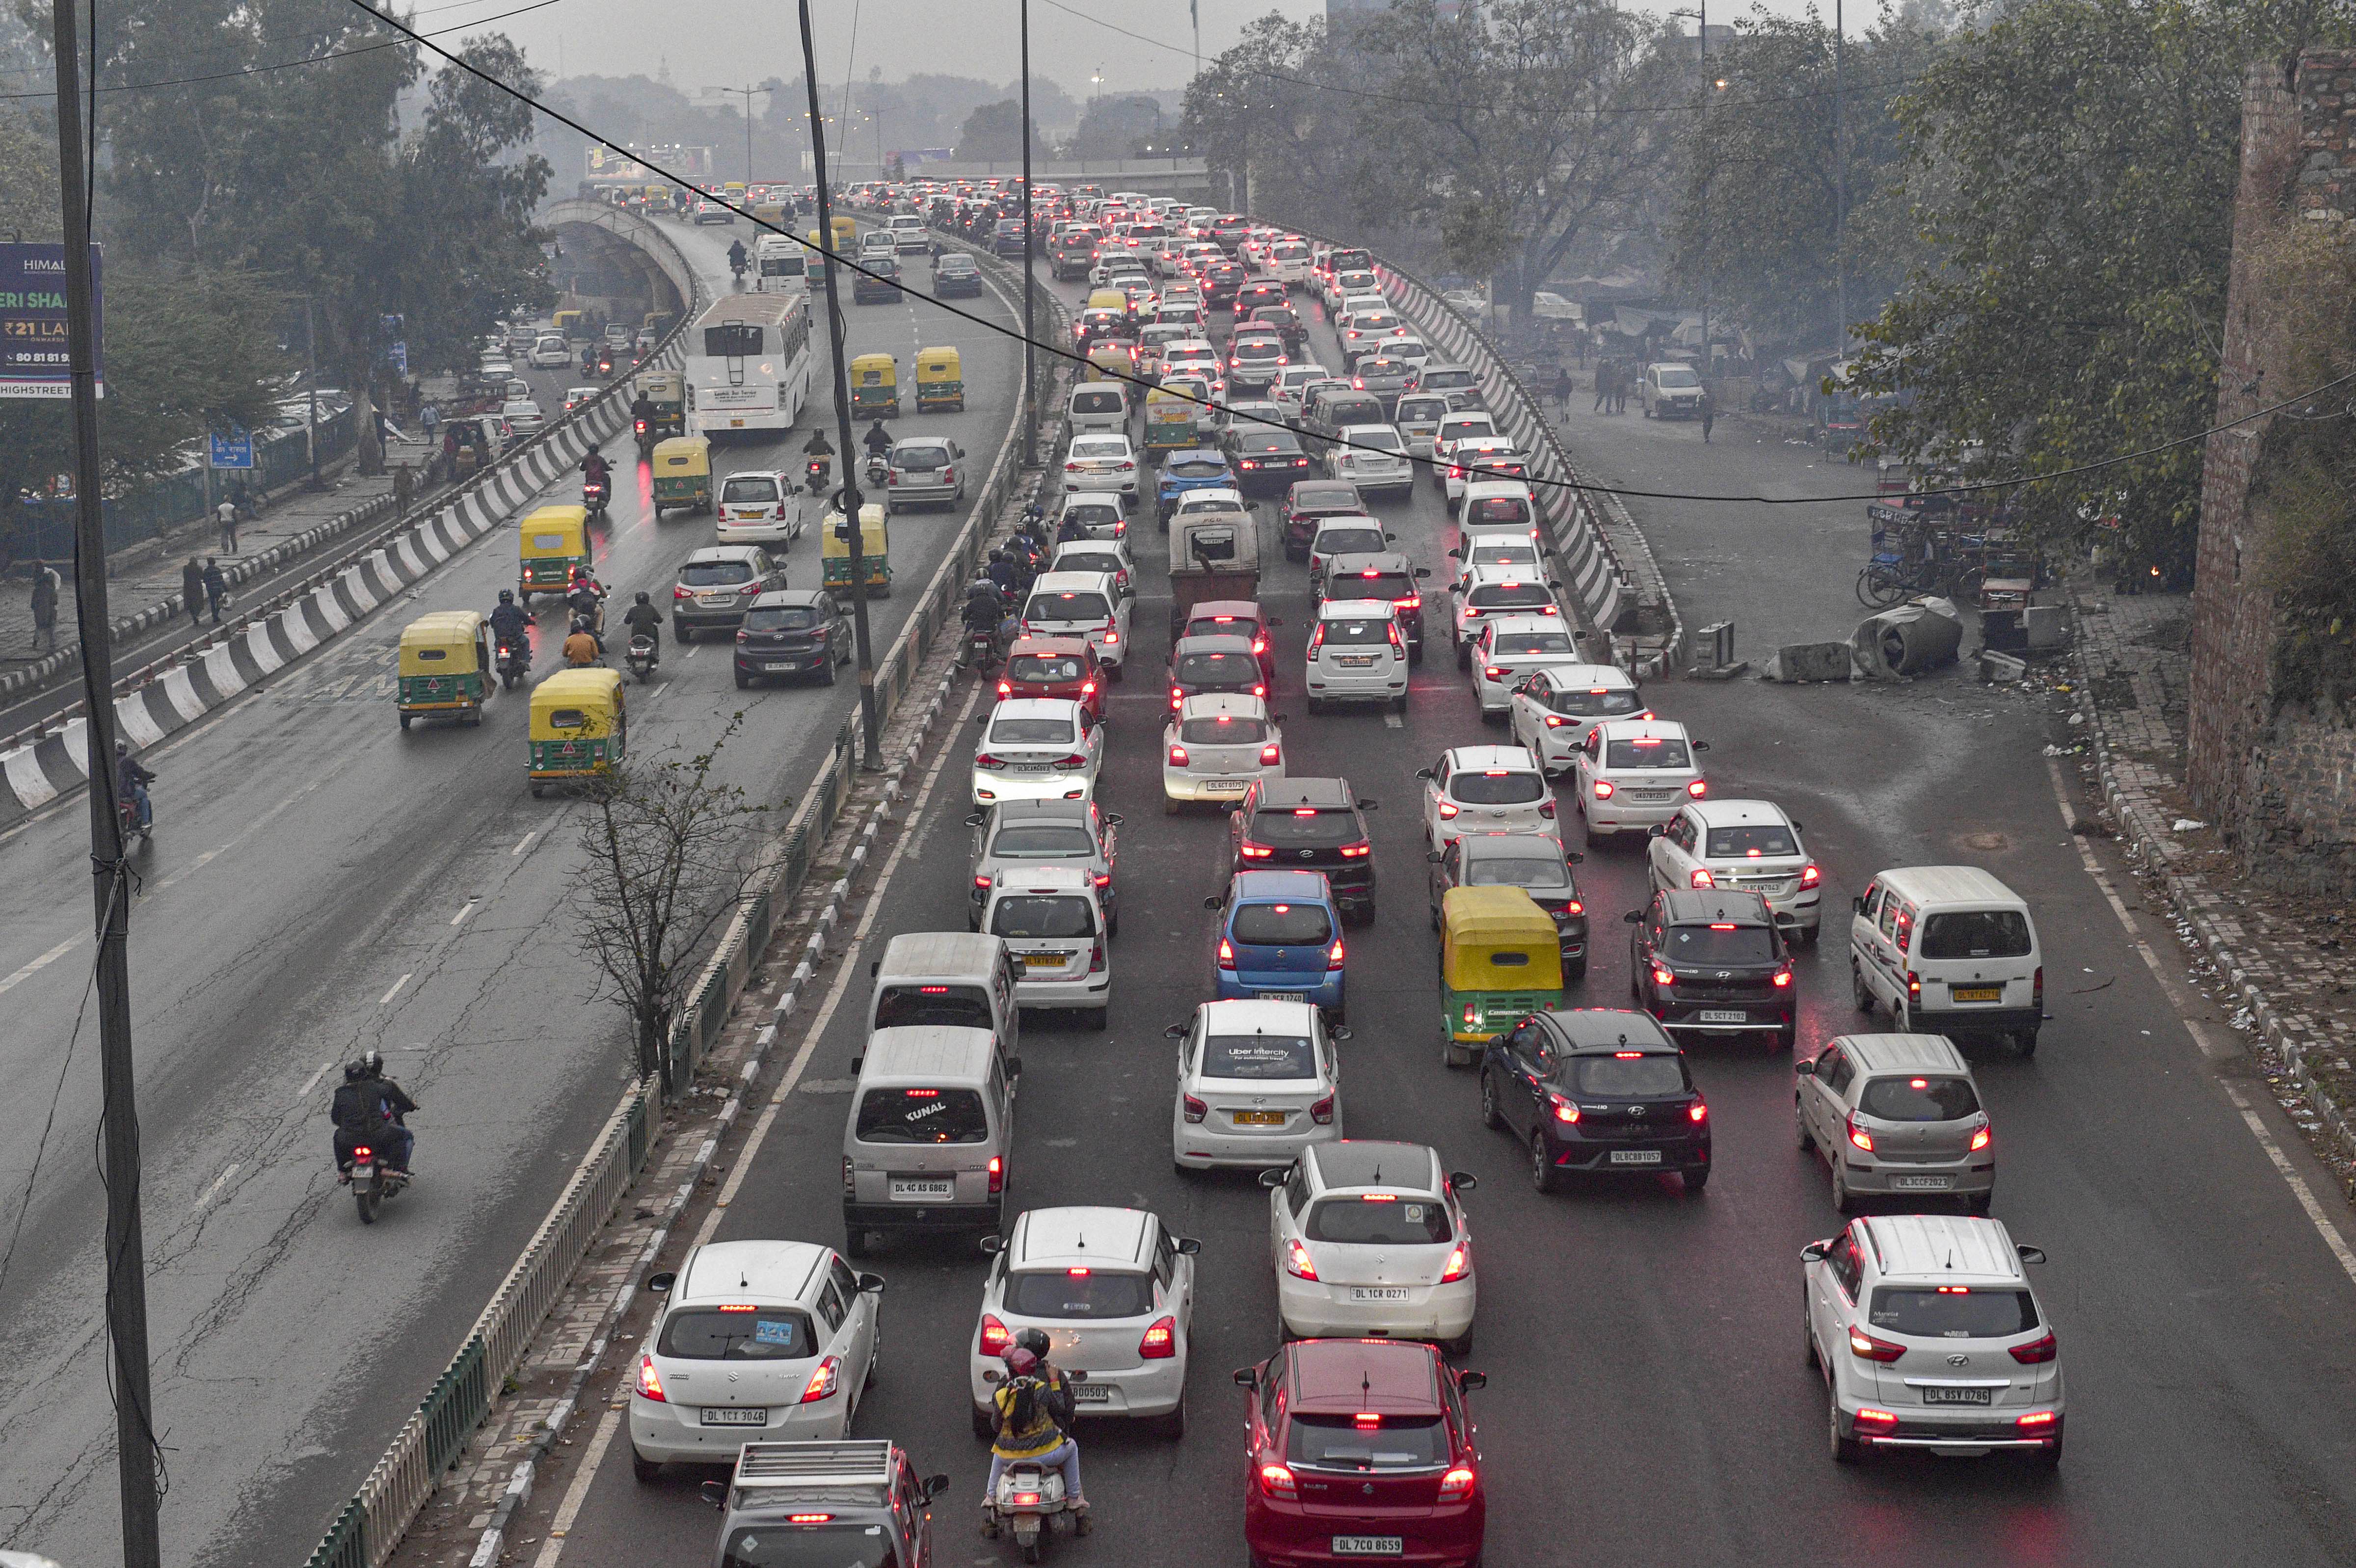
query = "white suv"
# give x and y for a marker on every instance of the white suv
(1356, 654)
(1485, 789)
(1553, 708)
(1929, 1337)
(1507, 649)
(1633, 773)
(1054, 926)
(759, 507)
(1751, 846)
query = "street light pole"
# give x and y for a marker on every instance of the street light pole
(1840, 188)
(869, 728)
(746, 93)
(1030, 371)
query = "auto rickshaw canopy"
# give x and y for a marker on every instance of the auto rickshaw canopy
(443, 642)
(1497, 939)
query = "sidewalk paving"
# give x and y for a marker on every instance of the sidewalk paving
(2277, 960)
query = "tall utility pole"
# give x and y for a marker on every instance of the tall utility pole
(1701, 38)
(126, 1259)
(747, 94)
(1030, 389)
(1840, 191)
(869, 730)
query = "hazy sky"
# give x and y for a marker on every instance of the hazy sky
(709, 42)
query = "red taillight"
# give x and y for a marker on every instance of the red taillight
(1564, 1111)
(1448, 810)
(1296, 1261)
(998, 1173)
(2037, 989)
(1321, 1112)
(1457, 1485)
(359, 1154)
(1177, 756)
(1870, 1422)
(822, 1381)
(1333, 956)
(1177, 697)
(1664, 977)
(1701, 878)
(1699, 788)
(1858, 1136)
(1269, 755)
(1317, 638)
(1005, 689)
(1782, 978)
(1913, 984)
(1555, 720)
(650, 1381)
(1226, 954)
(981, 880)
(1412, 602)
(1195, 1110)
(1065, 765)
(1546, 808)
(995, 1335)
(1275, 1481)
(1866, 1348)
(1603, 789)
(1697, 1112)
(1980, 1139)
(1097, 958)
(1460, 1266)
(1359, 851)
(2037, 1351)
(1811, 876)
(680, 593)
(1161, 1341)
(2037, 1421)
(1257, 851)
(987, 760)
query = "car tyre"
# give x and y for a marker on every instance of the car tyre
(2024, 1043)
(1464, 655)
(2045, 1461)
(1860, 992)
(1787, 1034)
(1845, 1450)
(1979, 1203)
(1806, 1139)
(1543, 1175)
(856, 1243)
(1490, 1118)
(645, 1470)
(1459, 1347)
(1574, 971)
(1117, 673)
(1807, 1338)
(829, 672)
(985, 1426)
(1695, 1181)
(742, 680)
(1844, 1201)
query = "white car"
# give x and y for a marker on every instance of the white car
(1521, 554)
(1082, 604)
(759, 507)
(521, 415)
(1370, 1238)
(1102, 464)
(1195, 356)
(1053, 923)
(1293, 380)
(1373, 457)
(1456, 427)
(1110, 556)
(1343, 533)
(1486, 591)
(1356, 653)
(1287, 261)
(770, 1340)
(1554, 707)
(1751, 846)
(550, 352)
(576, 396)
(1468, 452)
(1510, 647)
(1485, 789)
(1037, 748)
(1114, 1292)
(1215, 745)
(1257, 1083)
(1632, 773)
(1368, 331)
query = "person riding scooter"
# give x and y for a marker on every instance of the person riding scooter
(643, 620)
(367, 1109)
(585, 597)
(595, 470)
(1027, 1429)
(583, 646)
(131, 781)
(877, 440)
(736, 259)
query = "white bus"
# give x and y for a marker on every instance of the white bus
(748, 364)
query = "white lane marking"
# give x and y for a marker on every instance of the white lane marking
(568, 1509)
(2210, 1048)
(394, 989)
(524, 843)
(1393, 722)
(693, 652)
(218, 1182)
(43, 961)
(196, 865)
(469, 907)
(313, 1082)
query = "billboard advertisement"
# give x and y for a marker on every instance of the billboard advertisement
(604, 163)
(33, 361)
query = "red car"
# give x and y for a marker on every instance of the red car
(1362, 1448)
(1053, 666)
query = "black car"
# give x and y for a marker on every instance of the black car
(793, 630)
(1310, 501)
(1007, 239)
(1594, 1089)
(1285, 322)
(1538, 865)
(1251, 297)
(1267, 459)
(1309, 825)
(1215, 665)
(877, 283)
(1711, 962)
(1384, 575)
(956, 274)
(1220, 282)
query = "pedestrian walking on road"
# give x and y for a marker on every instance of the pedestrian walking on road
(45, 607)
(1620, 380)
(1709, 414)
(403, 487)
(192, 591)
(216, 587)
(450, 456)
(226, 515)
(1563, 391)
(1602, 385)
(428, 417)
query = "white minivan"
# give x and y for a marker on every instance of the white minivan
(931, 1129)
(1098, 408)
(1951, 950)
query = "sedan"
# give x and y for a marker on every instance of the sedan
(1102, 464)
(1216, 747)
(926, 470)
(1370, 1238)
(956, 274)
(576, 396)
(1632, 773)
(1257, 1083)
(522, 416)
(1037, 749)
(1267, 460)
(1373, 457)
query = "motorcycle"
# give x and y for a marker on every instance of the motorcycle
(133, 829)
(980, 649)
(1030, 1499)
(879, 473)
(592, 497)
(372, 1182)
(646, 441)
(641, 657)
(514, 663)
(816, 471)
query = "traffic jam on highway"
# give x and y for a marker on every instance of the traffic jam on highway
(1273, 494)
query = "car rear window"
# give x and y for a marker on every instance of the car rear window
(1339, 1443)
(1385, 439)
(920, 459)
(736, 1334)
(1490, 551)
(1532, 643)
(1393, 585)
(1919, 1099)
(1078, 1293)
(1261, 441)
(1953, 1312)
(1496, 786)
(1031, 732)
(1281, 925)
(1089, 560)
(1594, 703)
(715, 573)
(921, 1117)
(1719, 944)
(782, 618)
(1646, 752)
(759, 489)
(1976, 933)
(1498, 509)
(1258, 1056)
(1628, 1077)
(1378, 1220)
(1421, 411)
(1043, 667)
(1357, 633)
(1541, 871)
(1771, 839)
(915, 1006)
(1350, 541)
(1098, 400)
(1306, 826)
(1222, 729)
(1218, 669)
(1042, 841)
(1066, 606)
(1028, 916)
(1100, 446)
(1092, 513)
(1512, 596)
(1258, 347)
(1440, 380)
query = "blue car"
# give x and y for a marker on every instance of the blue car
(1280, 939)
(1193, 468)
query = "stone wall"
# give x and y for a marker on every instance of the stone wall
(2279, 782)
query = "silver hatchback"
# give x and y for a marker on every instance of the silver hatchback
(1897, 1115)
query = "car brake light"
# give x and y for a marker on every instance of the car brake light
(2037, 989)
(1226, 954)
(2038, 1420)
(1555, 720)
(1269, 755)
(997, 1173)
(1448, 810)
(1872, 1421)
(1546, 808)
(1359, 851)
(1980, 1139)
(1460, 1266)
(1412, 602)
(995, 1335)
(1177, 699)
(1564, 1111)
(1866, 1348)
(1698, 1112)
(1275, 1481)
(1810, 877)
(650, 1381)
(1858, 1136)
(1257, 851)
(680, 593)
(1333, 957)
(1913, 984)
(987, 760)
(1112, 636)
(1177, 755)
(1699, 788)
(1457, 1485)
(1664, 977)
(1296, 1261)
(1783, 977)
(1603, 789)
(822, 1381)
(1702, 877)
(1195, 1109)
(982, 879)
(1067, 764)
(1317, 638)
(1161, 1341)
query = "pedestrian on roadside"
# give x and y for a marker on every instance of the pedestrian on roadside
(45, 606)
(192, 591)
(1562, 390)
(428, 417)
(1602, 385)
(1620, 390)
(450, 456)
(226, 515)
(1709, 414)
(216, 587)
(401, 489)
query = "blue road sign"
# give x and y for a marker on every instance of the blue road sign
(232, 451)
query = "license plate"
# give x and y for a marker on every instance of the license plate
(1257, 1118)
(916, 1190)
(1636, 1156)
(1370, 1546)
(1957, 1395)
(1378, 1293)
(1976, 993)
(1226, 786)
(781, 664)
(1922, 1183)
(737, 424)
(1278, 995)
(734, 1416)
(1042, 960)
(1091, 1393)
(1720, 1016)
(1354, 661)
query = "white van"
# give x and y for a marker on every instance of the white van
(1498, 506)
(1098, 408)
(1948, 949)
(778, 264)
(950, 978)
(930, 1133)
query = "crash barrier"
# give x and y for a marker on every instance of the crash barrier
(39, 765)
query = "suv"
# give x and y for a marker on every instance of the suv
(1596, 1089)
(1308, 825)
(1384, 574)
(759, 507)
(794, 631)
(1017, 835)
(1712, 962)
(836, 1502)
(717, 584)
(1749, 845)
(1897, 1114)
(1356, 654)
(1929, 1337)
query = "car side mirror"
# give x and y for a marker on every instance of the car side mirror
(993, 1244)
(1188, 1246)
(1338, 1032)
(1213, 901)
(1432, 856)
(1368, 804)
(874, 967)
(1176, 1031)
(1573, 858)
(1014, 1067)
(981, 718)
(1701, 745)
(1455, 554)
(1273, 1180)
(660, 1284)
(1856, 905)
(974, 819)
(1658, 829)
(1423, 773)
(870, 1284)
(934, 1486)
(1634, 916)
(1246, 1376)
(1273, 621)
(1462, 1180)
(1798, 828)
(1805, 1068)
(1472, 1383)
(1112, 819)
(2030, 1254)
(714, 1492)
(1390, 538)
(1813, 1253)
(1424, 571)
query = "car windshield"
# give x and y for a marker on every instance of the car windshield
(921, 1117)
(1953, 1311)
(1045, 667)
(782, 618)
(1350, 541)
(1496, 786)
(1512, 643)
(1258, 1056)
(1676, 376)
(1377, 1219)
(1542, 871)
(1031, 732)
(1976, 933)
(1306, 826)
(1078, 1293)
(1281, 925)
(1357, 633)
(1627, 1077)
(1339, 1443)
(759, 488)
(1646, 752)
(1595, 702)
(920, 459)
(1919, 1099)
(1026, 915)
(1217, 669)
(735, 1334)
(1719, 944)
(714, 573)
(1043, 842)
(1067, 605)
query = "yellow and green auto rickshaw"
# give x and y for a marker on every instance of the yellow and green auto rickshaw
(940, 380)
(875, 387)
(667, 390)
(1500, 961)
(682, 468)
(446, 665)
(875, 553)
(555, 540)
(1172, 411)
(577, 725)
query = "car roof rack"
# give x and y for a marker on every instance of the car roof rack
(802, 1465)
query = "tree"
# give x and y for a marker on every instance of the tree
(993, 134)
(661, 872)
(1114, 127)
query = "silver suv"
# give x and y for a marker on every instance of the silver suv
(1929, 1337)
(1897, 1114)
(717, 584)
(835, 1502)
(1023, 835)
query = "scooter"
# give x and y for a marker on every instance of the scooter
(133, 829)
(816, 472)
(641, 657)
(514, 663)
(981, 650)
(879, 473)
(646, 441)
(1030, 1499)
(592, 497)
(372, 1182)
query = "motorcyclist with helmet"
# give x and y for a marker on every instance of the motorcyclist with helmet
(367, 1109)
(131, 781)
(585, 597)
(510, 620)
(595, 470)
(1024, 1406)
(877, 440)
(1001, 572)
(736, 258)
(643, 620)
